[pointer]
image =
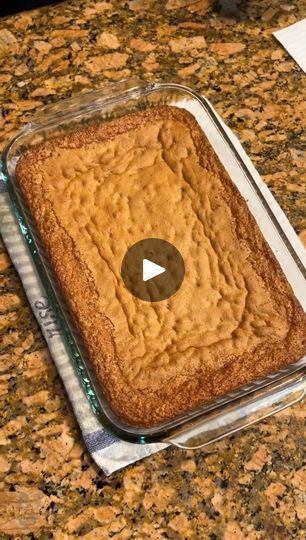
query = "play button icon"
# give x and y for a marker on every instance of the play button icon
(153, 269)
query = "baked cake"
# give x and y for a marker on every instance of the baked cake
(95, 192)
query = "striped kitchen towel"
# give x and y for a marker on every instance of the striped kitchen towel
(109, 452)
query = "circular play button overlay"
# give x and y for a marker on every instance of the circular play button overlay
(153, 269)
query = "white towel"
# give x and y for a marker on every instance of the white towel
(109, 452)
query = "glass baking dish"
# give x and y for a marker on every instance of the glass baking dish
(233, 411)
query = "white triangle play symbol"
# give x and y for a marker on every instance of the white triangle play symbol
(151, 270)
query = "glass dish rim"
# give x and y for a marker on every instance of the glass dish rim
(140, 91)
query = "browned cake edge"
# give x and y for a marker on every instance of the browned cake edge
(147, 408)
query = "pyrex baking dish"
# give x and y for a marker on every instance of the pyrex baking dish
(237, 409)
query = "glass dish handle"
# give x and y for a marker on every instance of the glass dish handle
(86, 100)
(250, 409)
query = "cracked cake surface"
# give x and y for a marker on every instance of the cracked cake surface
(98, 190)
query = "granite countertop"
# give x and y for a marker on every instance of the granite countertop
(250, 485)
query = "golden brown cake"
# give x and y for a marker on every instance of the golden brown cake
(98, 190)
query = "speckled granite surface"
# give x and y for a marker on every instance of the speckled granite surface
(249, 486)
